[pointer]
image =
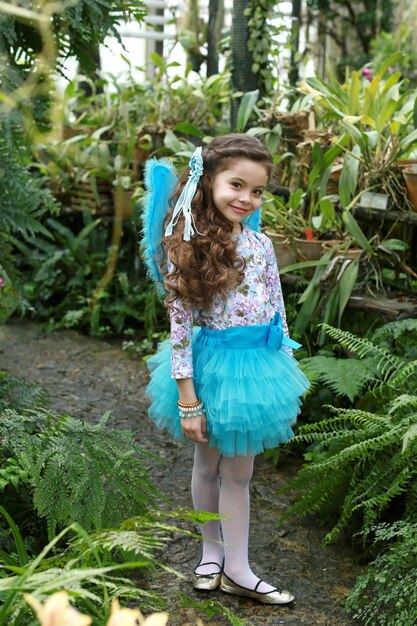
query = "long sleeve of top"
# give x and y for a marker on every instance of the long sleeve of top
(253, 302)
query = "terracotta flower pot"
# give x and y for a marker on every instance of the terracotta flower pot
(308, 250)
(410, 177)
(284, 251)
(350, 253)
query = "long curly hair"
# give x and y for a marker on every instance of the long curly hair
(208, 266)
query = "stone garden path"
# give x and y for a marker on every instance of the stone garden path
(86, 377)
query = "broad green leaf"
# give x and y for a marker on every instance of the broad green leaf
(356, 231)
(394, 127)
(302, 266)
(353, 105)
(246, 108)
(172, 142)
(97, 133)
(317, 84)
(61, 229)
(371, 136)
(158, 60)
(397, 245)
(329, 313)
(18, 539)
(316, 277)
(349, 176)
(356, 135)
(353, 169)
(189, 129)
(87, 229)
(391, 81)
(257, 131)
(317, 221)
(307, 311)
(334, 104)
(385, 114)
(93, 186)
(273, 139)
(408, 141)
(344, 193)
(295, 199)
(415, 113)
(322, 162)
(370, 100)
(327, 211)
(346, 285)
(392, 60)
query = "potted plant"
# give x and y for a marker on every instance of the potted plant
(297, 234)
(375, 125)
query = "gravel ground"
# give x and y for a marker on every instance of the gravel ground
(86, 377)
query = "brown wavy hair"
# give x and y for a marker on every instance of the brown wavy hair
(208, 265)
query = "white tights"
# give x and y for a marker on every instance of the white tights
(221, 485)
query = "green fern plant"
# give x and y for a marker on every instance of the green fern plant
(77, 472)
(376, 364)
(386, 594)
(92, 567)
(362, 463)
(63, 269)
(19, 394)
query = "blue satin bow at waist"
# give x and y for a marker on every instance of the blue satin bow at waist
(240, 337)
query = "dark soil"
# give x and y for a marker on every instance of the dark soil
(86, 377)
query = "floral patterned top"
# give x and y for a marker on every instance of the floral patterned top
(253, 302)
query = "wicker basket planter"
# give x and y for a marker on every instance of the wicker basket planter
(83, 198)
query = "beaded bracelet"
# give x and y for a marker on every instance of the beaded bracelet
(190, 409)
(185, 405)
(190, 413)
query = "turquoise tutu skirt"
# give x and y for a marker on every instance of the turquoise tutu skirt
(249, 384)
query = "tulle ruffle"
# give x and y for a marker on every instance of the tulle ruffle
(251, 395)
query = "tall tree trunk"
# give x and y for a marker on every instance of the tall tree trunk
(91, 69)
(215, 25)
(243, 78)
(295, 41)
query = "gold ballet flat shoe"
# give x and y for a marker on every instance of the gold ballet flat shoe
(207, 582)
(276, 596)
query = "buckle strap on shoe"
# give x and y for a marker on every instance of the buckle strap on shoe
(208, 563)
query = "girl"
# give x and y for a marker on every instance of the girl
(232, 388)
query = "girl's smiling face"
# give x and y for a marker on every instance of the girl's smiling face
(237, 190)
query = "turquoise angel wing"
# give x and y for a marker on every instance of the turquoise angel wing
(254, 221)
(160, 180)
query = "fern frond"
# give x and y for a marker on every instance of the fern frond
(406, 377)
(362, 449)
(387, 363)
(404, 401)
(345, 418)
(409, 436)
(78, 472)
(345, 377)
(394, 330)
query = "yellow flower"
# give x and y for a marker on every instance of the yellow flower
(57, 611)
(304, 86)
(133, 617)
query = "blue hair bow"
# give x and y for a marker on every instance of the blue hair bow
(183, 205)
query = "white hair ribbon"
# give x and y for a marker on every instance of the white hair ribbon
(183, 204)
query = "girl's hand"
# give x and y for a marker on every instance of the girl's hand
(194, 428)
